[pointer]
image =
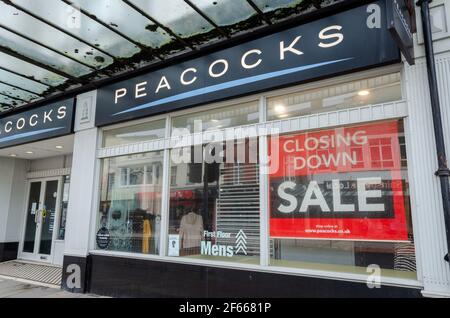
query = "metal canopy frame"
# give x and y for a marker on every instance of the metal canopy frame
(39, 58)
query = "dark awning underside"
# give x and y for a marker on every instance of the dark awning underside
(48, 47)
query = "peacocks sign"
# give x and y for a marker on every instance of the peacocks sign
(348, 41)
(49, 121)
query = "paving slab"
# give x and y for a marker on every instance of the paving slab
(11, 288)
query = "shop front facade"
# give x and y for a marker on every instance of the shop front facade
(297, 164)
(36, 158)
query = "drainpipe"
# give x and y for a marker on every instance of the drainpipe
(443, 172)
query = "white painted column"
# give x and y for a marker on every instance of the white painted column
(12, 205)
(12, 196)
(17, 202)
(428, 215)
(82, 179)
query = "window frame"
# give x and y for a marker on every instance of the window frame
(136, 122)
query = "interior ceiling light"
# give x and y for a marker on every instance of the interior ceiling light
(13, 155)
(29, 152)
(59, 147)
(280, 108)
(364, 93)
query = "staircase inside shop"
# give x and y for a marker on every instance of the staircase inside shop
(238, 207)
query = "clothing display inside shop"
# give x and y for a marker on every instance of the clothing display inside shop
(146, 236)
(138, 233)
(191, 233)
(142, 225)
(405, 256)
(214, 206)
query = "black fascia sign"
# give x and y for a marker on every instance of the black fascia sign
(348, 41)
(49, 121)
(399, 25)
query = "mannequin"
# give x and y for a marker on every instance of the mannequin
(191, 233)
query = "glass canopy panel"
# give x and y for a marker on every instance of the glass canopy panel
(4, 108)
(33, 28)
(176, 15)
(74, 22)
(225, 12)
(19, 81)
(8, 101)
(119, 15)
(16, 93)
(29, 70)
(23, 35)
(41, 54)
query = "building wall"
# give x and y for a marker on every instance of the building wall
(12, 188)
(17, 203)
(58, 162)
(7, 173)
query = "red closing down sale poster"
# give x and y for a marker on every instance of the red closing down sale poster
(342, 184)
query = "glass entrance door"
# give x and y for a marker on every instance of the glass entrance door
(42, 210)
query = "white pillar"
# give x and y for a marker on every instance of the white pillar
(427, 209)
(83, 182)
(81, 193)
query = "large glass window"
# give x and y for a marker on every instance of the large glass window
(338, 197)
(129, 218)
(374, 90)
(339, 200)
(214, 202)
(136, 133)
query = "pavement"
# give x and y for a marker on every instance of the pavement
(13, 288)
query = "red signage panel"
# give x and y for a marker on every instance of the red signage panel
(345, 183)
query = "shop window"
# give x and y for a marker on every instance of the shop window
(130, 211)
(136, 175)
(339, 200)
(64, 205)
(218, 118)
(136, 133)
(214, 202)
(370, 91)
(173, 176)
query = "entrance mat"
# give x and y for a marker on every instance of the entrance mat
(47, 274)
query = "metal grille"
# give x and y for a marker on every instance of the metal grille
(238, 204)
(47, 274)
